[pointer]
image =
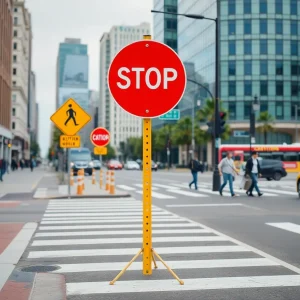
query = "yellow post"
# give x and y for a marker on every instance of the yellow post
(147, 198)
(93, 177)
(112, 183)
(79, 181)
(107, 181)
(101, 179)
(82, 179)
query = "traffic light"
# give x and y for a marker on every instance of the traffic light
(211, 125)
(222, 122)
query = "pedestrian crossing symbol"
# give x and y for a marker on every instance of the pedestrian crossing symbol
(70, 117)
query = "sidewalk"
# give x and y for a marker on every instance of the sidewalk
(21, 181)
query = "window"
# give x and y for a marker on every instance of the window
(247, 109)
(13, 125)
(294, 88)
(247, 88)
(14, 98)
(294, 68)
(294, 27)
(264, 88)
(231, 7)
(294, 47)
(14, 83)
(279, 88)
(231, 67)
(15, 33)
(14, 58)
(263, 106)
(232, 110)
(263, 47)
(263, 26)
(279, 110)
(278, 7)
(15, 46)
(247, 7)
(247, 67)
(231, 47)
(232, 88)
(247, 26)
(15, 9)
(15, 21)
(231, 27)
(279, 47)
(279, 67)
(14, 71)
(263, 7)
(263, 67)
(13, 112)
(278, 26)
(247, 47)
(294, 7)
(171, 24)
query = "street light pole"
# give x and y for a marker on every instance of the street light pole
(216, 177)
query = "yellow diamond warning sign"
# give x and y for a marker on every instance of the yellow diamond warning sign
(66, 141)
(70, 117)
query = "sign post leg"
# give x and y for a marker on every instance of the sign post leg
(69, 173)
(147, 198)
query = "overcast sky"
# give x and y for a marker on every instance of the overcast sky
(55, 20)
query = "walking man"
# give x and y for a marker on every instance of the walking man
(195, 167)
(71, 113)
(253, 170)
(227, 170)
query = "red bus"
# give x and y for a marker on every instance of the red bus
(288, 154)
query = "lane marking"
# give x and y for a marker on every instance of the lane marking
(280, 192)
(186, 193)
(133, 251)
(195, 284)
(205, 205)
(141, 186)
(115, 226)
(165, 187)
(158, 195)
(100, 209)
(286, 226)
(119, 232)
(102, 214)
(175, 265)
(125, 187)
(131, 240)
(98, 218)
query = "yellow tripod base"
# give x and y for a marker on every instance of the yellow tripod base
(154, 254)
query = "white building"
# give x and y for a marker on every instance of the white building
(20, 80)
(120, 124)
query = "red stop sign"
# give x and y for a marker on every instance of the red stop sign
(100, 137)
(147, 78)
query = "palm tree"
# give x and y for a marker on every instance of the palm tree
(267, 120)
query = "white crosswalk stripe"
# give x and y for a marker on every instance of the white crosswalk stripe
(98, 246)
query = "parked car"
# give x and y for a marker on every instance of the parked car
(154, 166)
(114, 165)
(97, 164)
(272, 169)
(132, 165)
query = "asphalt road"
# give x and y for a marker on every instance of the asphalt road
(222, 247)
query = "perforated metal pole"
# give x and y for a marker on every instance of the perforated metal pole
(147, 196)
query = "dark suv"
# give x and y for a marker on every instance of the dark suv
(272, 169)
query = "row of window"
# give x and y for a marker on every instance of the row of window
(264, 90)
(263, 27)
(264, 106)
(263, 47)
(263, 7)
(264, 67)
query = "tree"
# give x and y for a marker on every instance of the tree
(267, 120)
(111, 153)
(35, 148)
(207, 113)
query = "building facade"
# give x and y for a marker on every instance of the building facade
(120, 124)
(6, 17)
(20, 80)
(32, 109)
(72, 74)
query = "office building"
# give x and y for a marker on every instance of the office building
(20, 80)
(120, 124)
(72, 74)
(32, 109)
(6, 16)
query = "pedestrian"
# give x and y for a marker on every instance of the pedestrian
(31, 164)
(1, 162)
(254, 171)
(227, 169)
(22, 164)
(195, 167)
(3, 167)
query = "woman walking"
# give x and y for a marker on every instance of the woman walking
(227, 170)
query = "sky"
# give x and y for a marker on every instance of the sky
(55, 20)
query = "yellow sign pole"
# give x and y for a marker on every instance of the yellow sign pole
(147, 198)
